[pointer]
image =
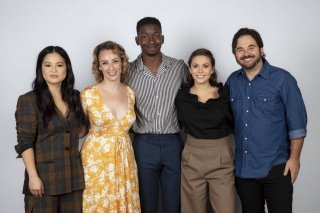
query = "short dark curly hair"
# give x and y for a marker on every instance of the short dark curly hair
(148, 20)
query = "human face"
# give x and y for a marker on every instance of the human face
(54, 69)
(248, 54)
(201, 69)
(110, 65)
(150, 39)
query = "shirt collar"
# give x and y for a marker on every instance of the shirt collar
(264, 72)
(166, 63)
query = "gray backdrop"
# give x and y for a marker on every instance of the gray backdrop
(289, 28)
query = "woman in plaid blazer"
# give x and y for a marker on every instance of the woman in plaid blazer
(49, 120)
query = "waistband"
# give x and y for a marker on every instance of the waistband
(196, 142)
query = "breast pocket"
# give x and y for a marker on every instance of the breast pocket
(267, 103)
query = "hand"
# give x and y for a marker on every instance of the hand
(292, 165)
(36, 186)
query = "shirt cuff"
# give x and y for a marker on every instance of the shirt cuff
(20, 148)
(300, 133)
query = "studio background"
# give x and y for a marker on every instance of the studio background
(290, 30)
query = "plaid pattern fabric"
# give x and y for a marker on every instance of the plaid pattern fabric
(57, 157)
(69, 202)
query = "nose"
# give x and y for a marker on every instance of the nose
(151, 39)
(54, 69)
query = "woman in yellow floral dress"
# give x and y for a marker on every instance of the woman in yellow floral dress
(108, 158)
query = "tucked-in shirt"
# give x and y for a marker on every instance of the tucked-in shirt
(155, 94)
(57, 157)
(209, 120)
(268, 111)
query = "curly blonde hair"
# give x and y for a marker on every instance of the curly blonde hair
(118, 50)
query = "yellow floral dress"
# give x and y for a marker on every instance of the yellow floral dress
(108, 158)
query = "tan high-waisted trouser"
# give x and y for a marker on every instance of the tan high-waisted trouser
(207, 169)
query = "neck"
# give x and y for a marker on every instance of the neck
(111, 86)
(55, 89)
(201, 87)
(152, 62)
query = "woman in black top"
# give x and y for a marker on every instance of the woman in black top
(207, 160)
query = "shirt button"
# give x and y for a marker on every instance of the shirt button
(67, 148)
(246, 152)
(246, 138)
(248, 97)
(247, 111)
(249, 84)
(246, 124)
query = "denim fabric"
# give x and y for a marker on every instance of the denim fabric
(268, 111)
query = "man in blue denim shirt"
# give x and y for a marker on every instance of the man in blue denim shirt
(270, 127)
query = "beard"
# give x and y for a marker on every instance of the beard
(249, 65)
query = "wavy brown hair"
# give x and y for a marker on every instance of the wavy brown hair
(118, 50)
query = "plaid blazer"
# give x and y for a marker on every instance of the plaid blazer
(57, 156)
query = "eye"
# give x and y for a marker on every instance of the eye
(116, 61)
(194, 66)
(143, 36)
(206, 66)
(157, 36)
(60, 65)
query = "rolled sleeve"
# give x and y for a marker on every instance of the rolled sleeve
(296, 113)
(26, 124)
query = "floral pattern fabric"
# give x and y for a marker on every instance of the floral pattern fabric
(108, 158)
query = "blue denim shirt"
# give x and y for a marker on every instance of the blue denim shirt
(268, 111)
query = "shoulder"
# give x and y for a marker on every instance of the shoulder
(88, 89)
(183, 93)
(130, 91)
(280, 74)
(28, 97)
(87, 93)
(223, 90)
(172, 61)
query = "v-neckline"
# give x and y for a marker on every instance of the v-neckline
(109, 110)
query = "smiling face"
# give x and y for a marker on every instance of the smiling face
(110, 65)
(201, 69)
(247, 53)
(150, 39)
(54, 69)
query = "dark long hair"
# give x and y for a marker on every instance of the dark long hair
(45, 100)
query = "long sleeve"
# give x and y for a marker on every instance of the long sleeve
(26, 124)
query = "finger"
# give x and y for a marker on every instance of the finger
(293, 178)
(286, 170)
(42, 189)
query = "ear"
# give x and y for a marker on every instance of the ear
(262, 52)
(137, 40)
(162, 39)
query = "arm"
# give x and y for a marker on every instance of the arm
(26, 126)
(35, 183)
(293, 163)
(296, 117)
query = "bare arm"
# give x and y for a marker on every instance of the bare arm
(293, 163)
(35, 183)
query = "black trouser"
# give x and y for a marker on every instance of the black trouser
(276, 189)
